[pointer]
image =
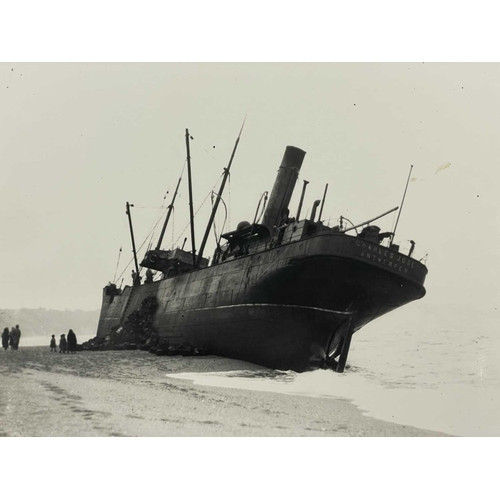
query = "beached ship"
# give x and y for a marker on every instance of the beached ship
(284, 292)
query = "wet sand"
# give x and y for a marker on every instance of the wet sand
(129, 393)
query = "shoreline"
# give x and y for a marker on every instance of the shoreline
(128, 393)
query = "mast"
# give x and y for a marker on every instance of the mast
(402, 201)
(190, 185)
(132, 236)
(322, 204)
(219, 196)
(301, 199)
(170, 208)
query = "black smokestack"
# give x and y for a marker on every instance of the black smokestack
(277, 208)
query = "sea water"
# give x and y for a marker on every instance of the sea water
(435, 369)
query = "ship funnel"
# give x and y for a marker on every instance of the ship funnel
(277, 207)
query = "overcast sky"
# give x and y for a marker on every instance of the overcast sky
(79, 140)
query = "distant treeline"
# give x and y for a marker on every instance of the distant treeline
(47, 322)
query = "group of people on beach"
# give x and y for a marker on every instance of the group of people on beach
(66, 344)
(11, 338)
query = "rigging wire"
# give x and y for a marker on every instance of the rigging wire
(130, 262)
(394, 219)
(173, 227)
(402, 202)
(152, 229)
(161, 207)
(217, 240)
(342, 218)
(142, 244)
(117, 264)
(263, 195)
(151, 233)
(199, 208)
(164, 207)
(213, 157)
(229, 196)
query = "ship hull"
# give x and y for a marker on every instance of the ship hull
(275, 307)
(276, 336)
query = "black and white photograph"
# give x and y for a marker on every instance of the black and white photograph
(242, 248)
(253, 262)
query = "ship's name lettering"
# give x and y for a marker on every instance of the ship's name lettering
(385, 257)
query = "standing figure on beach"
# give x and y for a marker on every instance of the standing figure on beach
(12, 336)
(53, 345)
(71, 341)
(18, 335)
(63, 344)
(5, 338)
(15, 336)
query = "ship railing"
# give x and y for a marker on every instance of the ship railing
(420, 254)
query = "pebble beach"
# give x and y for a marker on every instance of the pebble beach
(135, 393)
